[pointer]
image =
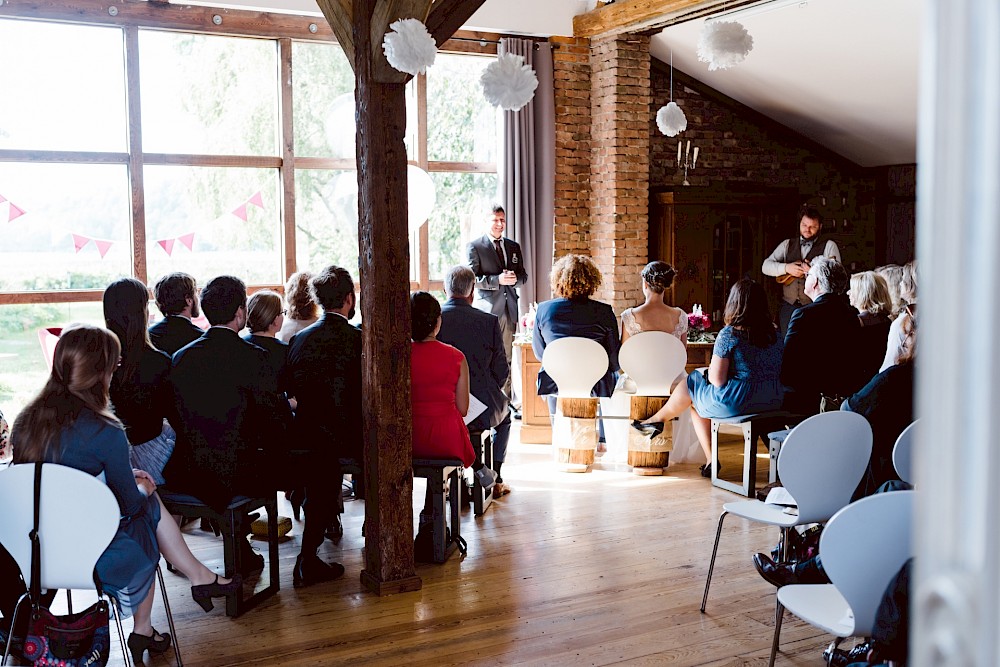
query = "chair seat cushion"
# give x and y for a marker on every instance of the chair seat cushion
(185, 499)
(755, 510)
(820, 605)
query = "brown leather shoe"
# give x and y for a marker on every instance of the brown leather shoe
(501, 489)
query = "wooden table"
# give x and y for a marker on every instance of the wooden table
(699, 356)
(536, 428)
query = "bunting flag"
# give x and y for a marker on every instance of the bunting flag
(167, 245)
(80, 242)
(2, 199)
(187, 240)
(241, 212)
(256, 200)
(14, 212)
(103, 246)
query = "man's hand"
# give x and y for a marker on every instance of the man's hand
(508, 278)
(797, 269)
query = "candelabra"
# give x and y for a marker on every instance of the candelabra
(686, 159)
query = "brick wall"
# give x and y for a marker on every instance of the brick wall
(619, 170)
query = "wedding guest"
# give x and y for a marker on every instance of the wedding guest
(176, 296)
(70, 422)
(302, 308)
(893, 275)
(742, 377)
(870, 295)
(897, 341)
(265, 317)
(140, 391)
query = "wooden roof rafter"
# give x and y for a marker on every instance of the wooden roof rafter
(629, 16)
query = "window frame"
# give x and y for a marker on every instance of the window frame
(283, 29)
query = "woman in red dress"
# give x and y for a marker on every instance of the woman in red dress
(439, 388)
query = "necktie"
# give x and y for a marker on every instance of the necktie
(499, 249)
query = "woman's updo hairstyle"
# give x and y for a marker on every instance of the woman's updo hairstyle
(424, 314)
(659, 276)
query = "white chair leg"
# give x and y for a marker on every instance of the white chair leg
(170, 617)
(117, 612)
(711, 564)
(778, 616)
(13, 624)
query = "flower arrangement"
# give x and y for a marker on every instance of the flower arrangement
(527, 327)
(698, 325)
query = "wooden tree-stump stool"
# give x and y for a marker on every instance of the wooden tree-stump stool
(648, 455)
(574, 434)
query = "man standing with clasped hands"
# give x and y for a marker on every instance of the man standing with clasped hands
(499, 267)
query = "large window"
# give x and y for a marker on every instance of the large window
(135, 145)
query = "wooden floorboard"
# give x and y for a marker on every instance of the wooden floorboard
(603, 568)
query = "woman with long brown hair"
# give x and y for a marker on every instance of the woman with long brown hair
(743, 374)
(71, 423)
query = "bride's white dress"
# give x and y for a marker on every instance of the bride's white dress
(685, 447)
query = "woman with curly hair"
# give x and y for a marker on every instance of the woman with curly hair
(302, 308)
(574, 280)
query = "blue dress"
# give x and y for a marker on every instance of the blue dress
(128, 566)
(753, 384)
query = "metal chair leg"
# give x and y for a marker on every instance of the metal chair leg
(170, 617)
(711, 564)
(779, 614)
(116, 610)
(13, 624)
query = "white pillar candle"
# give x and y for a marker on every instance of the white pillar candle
(687, 150)
(694, 163)
(679, 153)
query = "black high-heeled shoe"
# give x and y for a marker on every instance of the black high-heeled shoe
(138, 644)
(653, 428)
(203, 594)
(297, 498)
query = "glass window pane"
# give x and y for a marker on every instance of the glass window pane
(65, 226)
(206, 94)
(463, 201)
(323, 101)
(23, 368)
(461, 124)
(210, 221)
(326, 219)
(63, 87)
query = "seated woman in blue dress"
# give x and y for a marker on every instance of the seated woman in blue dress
(70, 423)
(743, 375)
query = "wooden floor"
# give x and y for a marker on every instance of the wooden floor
(570, 569)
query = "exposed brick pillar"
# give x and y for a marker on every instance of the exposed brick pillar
(619, 173)
(571, 69)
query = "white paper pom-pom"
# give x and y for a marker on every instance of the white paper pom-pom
(671, 120)
(508, 83)
(724, 44)
(409, 47)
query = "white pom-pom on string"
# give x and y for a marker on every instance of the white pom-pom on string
(724, 44)
(409, 47)
(671, 120)
(508, 83)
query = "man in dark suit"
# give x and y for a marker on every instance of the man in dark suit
(498, 265)
(821, 357)
(324, 371)
(177, 298)
(477, 335)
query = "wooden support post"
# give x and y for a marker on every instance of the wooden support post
(385, 281)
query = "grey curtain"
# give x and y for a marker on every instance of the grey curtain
(528, 170)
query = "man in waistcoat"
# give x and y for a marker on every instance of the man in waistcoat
(789, 263)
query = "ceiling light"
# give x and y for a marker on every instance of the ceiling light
(758, 8)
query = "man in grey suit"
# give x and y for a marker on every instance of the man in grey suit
(498, 265)
(477, 335)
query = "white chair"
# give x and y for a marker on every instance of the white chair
(820, 465)
(653, 359)
(575, 365)
(78, 518)
(902, 453)
(863, 546)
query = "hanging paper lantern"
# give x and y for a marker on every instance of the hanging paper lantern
(724, 44)
(671, 120)
(409, 47)
(508, 83)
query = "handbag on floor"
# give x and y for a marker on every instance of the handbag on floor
(73, 640)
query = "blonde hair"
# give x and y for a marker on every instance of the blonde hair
(262, 309)
(300, 301)
(893, 275)
(869, 292)
(575, 276)
(908, 284)
(85, 358)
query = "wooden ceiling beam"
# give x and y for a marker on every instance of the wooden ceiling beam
(386, 13)
(340, 15)
(626, 16)
(447, 16)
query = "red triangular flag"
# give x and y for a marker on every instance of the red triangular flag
(256, 200)
(103, 246)
(241, 212)
(2, 199)
(187, 240)
(167, 245)
(80, 241)
(15, 212)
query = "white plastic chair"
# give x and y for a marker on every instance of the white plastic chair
(653, 359)
(78, 517)
(575, 365)
(902, 453)
(863, 546)
(820, 465)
